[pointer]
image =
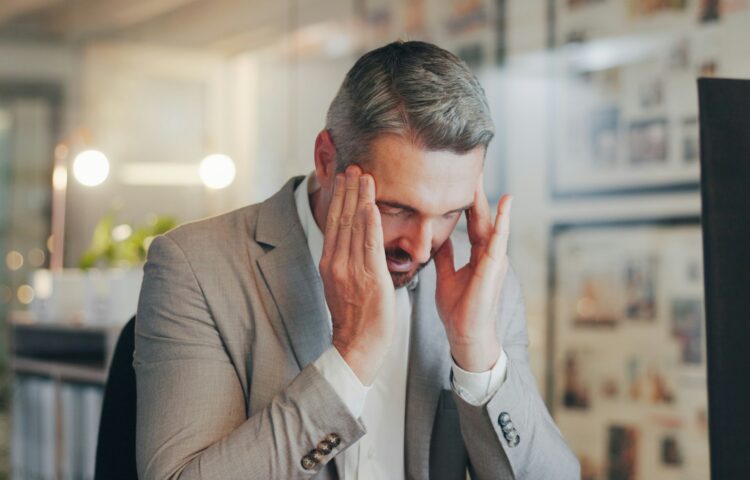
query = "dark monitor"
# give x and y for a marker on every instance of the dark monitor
(725, 191)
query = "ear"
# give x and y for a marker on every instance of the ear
(325, 159)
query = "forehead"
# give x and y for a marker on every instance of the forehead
(433, 182)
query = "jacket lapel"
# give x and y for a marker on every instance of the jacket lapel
(291, 277)
(429, 370)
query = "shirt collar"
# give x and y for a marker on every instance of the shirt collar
(312, 232)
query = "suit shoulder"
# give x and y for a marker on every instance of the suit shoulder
(227, 230)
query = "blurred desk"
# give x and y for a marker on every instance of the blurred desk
(58, 372)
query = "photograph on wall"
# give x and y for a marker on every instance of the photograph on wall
(627, 345)
(687, 328)
(622, 453)
(625, 106)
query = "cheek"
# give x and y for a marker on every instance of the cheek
(442, 231)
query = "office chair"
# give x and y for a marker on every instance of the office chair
(115, 451)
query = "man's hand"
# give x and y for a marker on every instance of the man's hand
(467, 299)
(358, 288)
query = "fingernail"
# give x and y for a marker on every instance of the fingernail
(363, 181)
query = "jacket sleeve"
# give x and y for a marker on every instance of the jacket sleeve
(191, 416)
(531, 447)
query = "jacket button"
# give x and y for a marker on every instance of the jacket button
(316, 456)
(503, 419)
(308, 463)
(333, 439)
(325, 447)
(508, 427)
(515, 440)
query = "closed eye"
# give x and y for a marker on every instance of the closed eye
(390, 211)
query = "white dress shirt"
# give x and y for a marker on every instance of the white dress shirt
(382, 405)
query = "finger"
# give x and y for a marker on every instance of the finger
(444, 264)
(479, 222)
(347, 215)
(498, 246)
(374, 249)
(366, 197)
(332, 219)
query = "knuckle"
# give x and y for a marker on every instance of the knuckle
(346, 219)
(338, 272)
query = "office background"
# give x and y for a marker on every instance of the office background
(203, 106)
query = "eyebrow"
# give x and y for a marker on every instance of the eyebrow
(392, 204)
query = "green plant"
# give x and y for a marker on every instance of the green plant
(124, 250)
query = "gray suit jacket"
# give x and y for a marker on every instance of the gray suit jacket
(231, 315)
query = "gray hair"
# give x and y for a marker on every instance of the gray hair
(414, 89)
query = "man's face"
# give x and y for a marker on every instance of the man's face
(421, 195)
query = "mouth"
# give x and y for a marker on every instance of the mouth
(399, 266)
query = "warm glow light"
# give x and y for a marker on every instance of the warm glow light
(91, 167)
(42, 281)
(36, 257)
(159, 174)
(25, 294)
(217, 171)
(59, 178)
(14, 260)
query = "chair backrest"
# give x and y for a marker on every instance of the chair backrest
(115, 451)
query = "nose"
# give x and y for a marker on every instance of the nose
(420, 242)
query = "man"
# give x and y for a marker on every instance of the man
(311, 335)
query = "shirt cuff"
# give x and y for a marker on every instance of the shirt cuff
(343, 380)
(478, 387)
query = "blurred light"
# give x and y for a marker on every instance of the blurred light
(25, 294)
(217, 171)
(91, 167)
(60, 177)
(14, 260)
(36, 257)
(176, 174)
(42, 281)
(6, 294)
(121, 232)
(50, 243)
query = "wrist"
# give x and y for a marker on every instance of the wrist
(476, 357)
(365, 363)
